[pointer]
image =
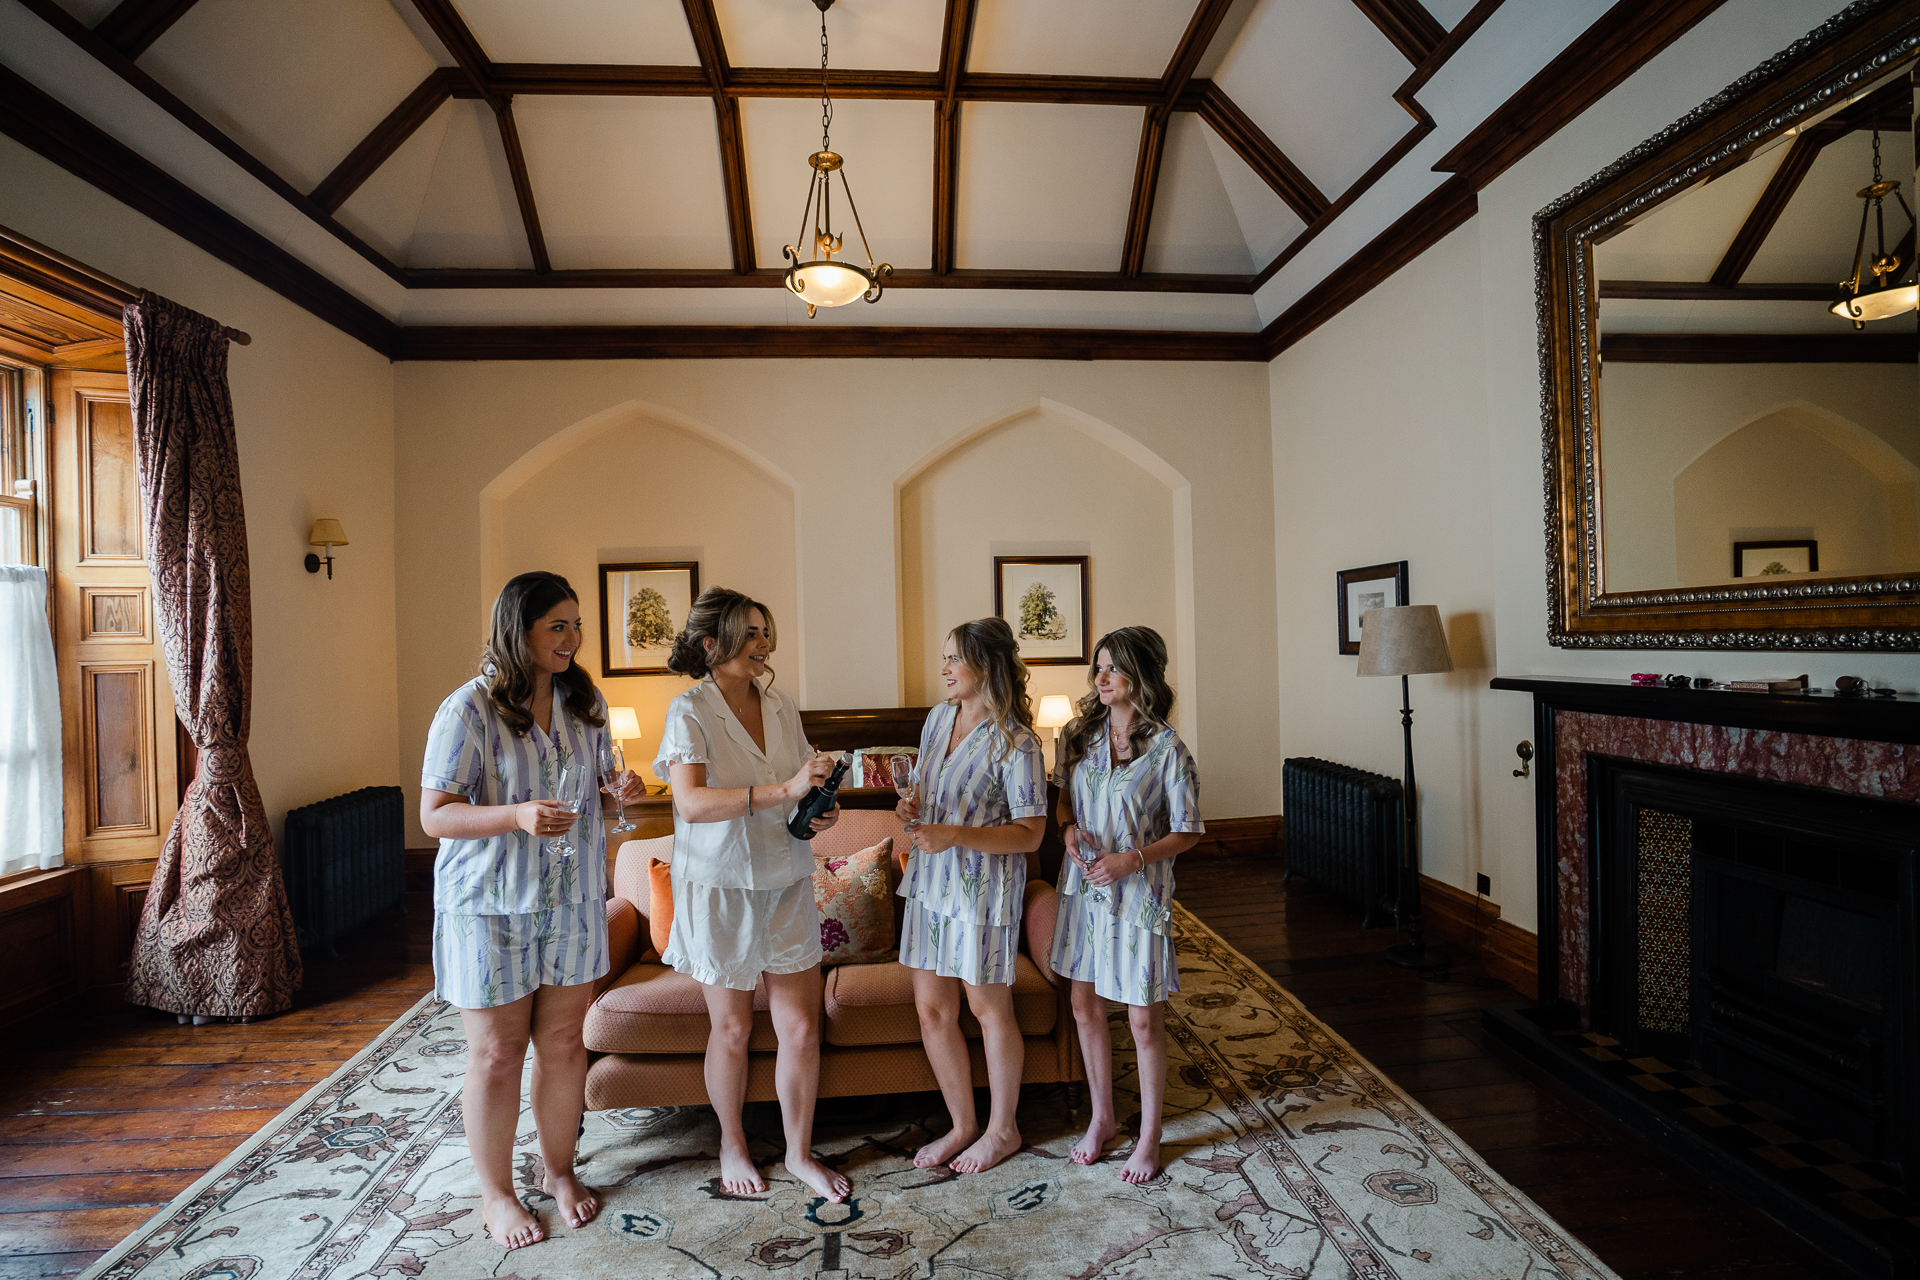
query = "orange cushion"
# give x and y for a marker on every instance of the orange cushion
(659, 904)
(652, 1009)
(855, 897)
(873, 1004)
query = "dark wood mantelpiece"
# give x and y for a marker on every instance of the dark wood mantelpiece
(1824, 714)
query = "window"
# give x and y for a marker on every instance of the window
(18, 514)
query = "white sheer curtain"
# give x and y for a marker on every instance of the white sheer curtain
(30, 807)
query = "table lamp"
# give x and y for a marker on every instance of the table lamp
(1055, 710)
(623, 725)
(1403, 641)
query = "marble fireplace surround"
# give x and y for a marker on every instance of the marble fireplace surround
(1850, 746)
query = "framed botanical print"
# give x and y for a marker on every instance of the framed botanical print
(1769, 559)
(1377, 586)
(1044, 600)
(642, 607)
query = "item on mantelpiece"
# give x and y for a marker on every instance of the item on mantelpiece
(1703, 682)
(1645, 678)
(1676, 682)
(1797, 684)
(1886, 693)
(1850, 687)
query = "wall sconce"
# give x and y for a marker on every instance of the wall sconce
(326, 533)
(1055, 710)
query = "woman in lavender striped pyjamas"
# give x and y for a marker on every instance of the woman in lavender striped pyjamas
(519, 923)
(1129, 805)
(981, 786)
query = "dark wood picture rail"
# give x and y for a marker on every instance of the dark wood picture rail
(1845, 347)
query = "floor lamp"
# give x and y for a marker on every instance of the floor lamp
(1406, 641)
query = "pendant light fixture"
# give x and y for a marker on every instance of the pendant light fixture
(1882, 286)
(821, 281)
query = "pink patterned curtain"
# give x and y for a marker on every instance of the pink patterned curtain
(216, 938)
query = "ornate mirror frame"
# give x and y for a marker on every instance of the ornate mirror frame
(1829, 65)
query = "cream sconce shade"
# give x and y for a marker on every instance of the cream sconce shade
(622, 724)
(326, 533)
(1055, 710)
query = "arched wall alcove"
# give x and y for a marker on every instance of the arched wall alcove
(1798, 471)
(639, 483)
(1063, 483)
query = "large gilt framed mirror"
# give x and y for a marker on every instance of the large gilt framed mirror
(1732, 458)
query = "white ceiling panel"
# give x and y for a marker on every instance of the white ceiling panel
(1318, 78)
(1267, 223)
(888, 148)
(470, 217)
(626, 182)
(1078, 37)
(646, 32)
(1194, 227)
(1685, 237)
(298, 85)
(1449, 12)
(870, 35)
(1045, 186)
(1714, 315)
(385, 210)
(1814, 238)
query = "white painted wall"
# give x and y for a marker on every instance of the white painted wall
(314, 410)
(847, 435)
(1426, 393)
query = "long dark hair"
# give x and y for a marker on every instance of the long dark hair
(987, 645)
(507, 663)
(1140, 658)
(720, 615)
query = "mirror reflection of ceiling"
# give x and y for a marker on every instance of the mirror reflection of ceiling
(521, 136)
(1820, 462)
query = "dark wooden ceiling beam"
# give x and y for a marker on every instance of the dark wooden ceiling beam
(712, 51)
(1759, 348)
(770, 278)
(459, 40)
(134, 25)
(1766, 211)
(1153, 130)
(844, 341)
(374, 149)
(522, 185)
(1261, 155)
(956, 42)
(1413, 31)
(1688, 291)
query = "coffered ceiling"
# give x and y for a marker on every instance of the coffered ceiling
(1136, 165)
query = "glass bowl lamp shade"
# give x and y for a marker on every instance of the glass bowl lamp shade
(823, 281)
(1883, 284)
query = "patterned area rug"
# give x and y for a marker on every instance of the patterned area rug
(1288, 1155)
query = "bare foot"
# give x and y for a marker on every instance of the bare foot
(822, 1179)
(1144, 1164)
(578, 1202)
(1091, 1147)
(738, 1173)
(941, 1150)
(988, 1152)
(509, 1224)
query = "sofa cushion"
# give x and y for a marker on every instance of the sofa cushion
(873, 1004)
(660, 899)
(652, 1009)
(855, 897)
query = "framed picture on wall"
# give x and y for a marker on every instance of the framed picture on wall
(1378, 586)
(642, 608)
(1044, 600)
(1766, 559)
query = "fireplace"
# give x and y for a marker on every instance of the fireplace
(1730, 943)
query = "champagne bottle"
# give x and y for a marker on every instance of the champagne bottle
(817, 802)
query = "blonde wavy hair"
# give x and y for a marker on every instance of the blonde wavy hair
(987, 646)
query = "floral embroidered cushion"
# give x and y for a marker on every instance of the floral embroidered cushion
(855, 897)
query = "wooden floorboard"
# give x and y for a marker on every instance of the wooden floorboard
(108, 1116)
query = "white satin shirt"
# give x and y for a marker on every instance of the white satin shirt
(742, 852)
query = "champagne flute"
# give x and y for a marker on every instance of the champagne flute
(568, 793)
(902, 770)
(613, 772)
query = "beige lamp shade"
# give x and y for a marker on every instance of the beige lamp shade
(1403, 641)
(327, 533)
(622, 724)
(1055, 710)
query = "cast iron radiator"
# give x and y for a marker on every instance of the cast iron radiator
(1343, 833)
(345, 862)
